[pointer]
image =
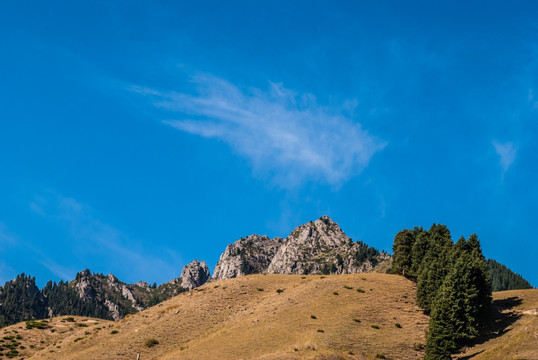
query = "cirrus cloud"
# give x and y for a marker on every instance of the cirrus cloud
(282, 133)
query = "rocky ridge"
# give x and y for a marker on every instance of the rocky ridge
(318, 247)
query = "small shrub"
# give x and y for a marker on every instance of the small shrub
(360, 290)
(380, 356)
(114, 332)
(356, 320)
(70, 319)
(418, 346)
(313, 317)
(322, 277)
(18, 337)
(52, 330)
(87, 333)
(279, 291)
(375, 326)
(348, 287)
(216, 286)
(398, 325)
(335, 292)
(32, 324)
(151, 342)
(82, 325)
(303, 277)
(78, 339)
(363, 278)
(259, 289)
(321, 330)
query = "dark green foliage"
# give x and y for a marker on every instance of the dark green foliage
(33, 324)
(63, 299)
(402, 247)
(22, 300)
(502, 278)
(366, 253)
(453, 285)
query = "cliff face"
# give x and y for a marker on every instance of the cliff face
(194, 274)
(250, 255)
(318, 247)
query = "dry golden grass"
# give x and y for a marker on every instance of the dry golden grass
(53, 338)
(516, 336)
(246, 318)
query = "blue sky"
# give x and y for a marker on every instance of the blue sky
(138, 136)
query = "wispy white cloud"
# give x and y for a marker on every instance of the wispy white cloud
(507, 154)
(282, 133)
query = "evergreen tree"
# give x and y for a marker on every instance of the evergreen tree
(462, 301)
(434, 266)
(402, 247)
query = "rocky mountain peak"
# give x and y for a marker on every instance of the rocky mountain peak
(194, 274)
(316, 247)
(250, 255)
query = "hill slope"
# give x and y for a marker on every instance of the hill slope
(248, 318)
(514, 332)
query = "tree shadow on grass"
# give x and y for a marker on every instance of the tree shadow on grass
(501, 316)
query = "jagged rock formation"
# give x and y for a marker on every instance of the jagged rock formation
(250, 255)
(319, 247)
(94, 295)
(194, 274)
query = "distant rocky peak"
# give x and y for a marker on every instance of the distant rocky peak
(321, 233)
(194, 274)
(250, 255)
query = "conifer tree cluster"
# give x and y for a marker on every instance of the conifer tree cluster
(502, 278)
(453, 284)
(21, 299)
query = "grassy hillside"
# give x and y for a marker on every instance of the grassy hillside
(270, 317)
(27, 338)
(279, 317)
(514, 331)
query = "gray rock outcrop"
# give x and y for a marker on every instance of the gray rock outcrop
(318, 247)
(194, 274)
(250, 255)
